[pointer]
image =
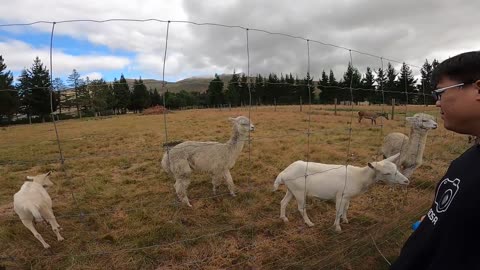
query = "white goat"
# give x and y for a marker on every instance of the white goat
(212, 157)
(333, 182)
(33, 202)
(410, 148)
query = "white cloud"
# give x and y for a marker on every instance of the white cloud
(19, 55)
(92, 76)
(407, 31)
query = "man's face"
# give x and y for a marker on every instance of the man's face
(460, 106)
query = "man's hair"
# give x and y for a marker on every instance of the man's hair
(464, 68)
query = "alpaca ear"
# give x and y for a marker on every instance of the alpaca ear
(410, 119)
(29, 178)
(371, 166)
(231, 119)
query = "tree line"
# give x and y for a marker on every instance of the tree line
(31, 97)
(375, 86)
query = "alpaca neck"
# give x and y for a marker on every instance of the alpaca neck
(236, 142)
(416, 144)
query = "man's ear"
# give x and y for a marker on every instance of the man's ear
(477, 87)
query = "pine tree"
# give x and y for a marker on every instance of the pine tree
(244, 90)
(140, 98)
(391, 86)
(426, 81)
(58, 86)
(35, 87)
(333, 86)
(155, 98)
(408, 82)
(9, 100)
(367, 84)
(271, 88)
(84, 98)
(326, 94)
(232, 92)
(291, 90)
(351, 78)
(122, 93)
(306, 89)
(381, 80)
(215, 91)
(76, 82)
(259, 86)
(100, 92)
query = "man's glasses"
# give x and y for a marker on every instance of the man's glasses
(437, 93)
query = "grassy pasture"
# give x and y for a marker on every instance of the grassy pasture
(118, 209)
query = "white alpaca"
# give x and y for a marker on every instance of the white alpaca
(33, 202)
(212, 157)
(333, 182)
(410, 148)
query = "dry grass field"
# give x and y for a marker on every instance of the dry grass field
(118, 209)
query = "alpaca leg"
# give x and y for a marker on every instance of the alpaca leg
(181, 170)
(216, 180)
(230, 184)
(29, 225)
(48, 215)
(283, 205)
(303, 210)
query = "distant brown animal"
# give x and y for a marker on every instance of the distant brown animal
(371, 115)
(473, 140)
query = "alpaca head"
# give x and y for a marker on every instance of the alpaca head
(242, 124)
(422, 121)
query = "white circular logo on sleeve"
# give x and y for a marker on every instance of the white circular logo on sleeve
(445, 194)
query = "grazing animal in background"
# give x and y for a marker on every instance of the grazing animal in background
(411, 147)
(371, 115)
(33, 202)
(213, 157)
(473, 140)
(333, 182)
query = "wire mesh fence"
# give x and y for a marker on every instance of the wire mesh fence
(107, 190)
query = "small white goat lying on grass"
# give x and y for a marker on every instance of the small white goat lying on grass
(329, 182)
(33, 202)
(213, 157)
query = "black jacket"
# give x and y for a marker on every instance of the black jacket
(449, 236)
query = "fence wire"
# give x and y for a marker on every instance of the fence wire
(352, 240)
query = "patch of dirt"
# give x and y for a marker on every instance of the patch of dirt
(6, 210)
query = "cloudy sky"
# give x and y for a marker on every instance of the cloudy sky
(408, 31)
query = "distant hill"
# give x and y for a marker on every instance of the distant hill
(193, 84)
